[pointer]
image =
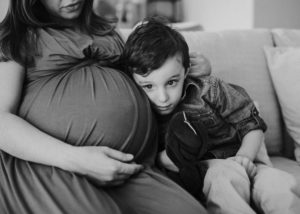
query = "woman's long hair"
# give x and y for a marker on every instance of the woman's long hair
(18, 30)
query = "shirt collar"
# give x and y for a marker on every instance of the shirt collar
(187, 84)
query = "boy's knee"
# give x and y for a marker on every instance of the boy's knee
(276, 191)
(272, 182)
(226, 171)
(224, 178)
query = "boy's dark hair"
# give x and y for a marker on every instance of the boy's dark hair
(150, 45)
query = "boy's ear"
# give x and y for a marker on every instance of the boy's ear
(187, 72)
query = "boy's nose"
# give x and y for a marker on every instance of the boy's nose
(163, 96)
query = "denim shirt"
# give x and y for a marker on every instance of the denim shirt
(225, 110)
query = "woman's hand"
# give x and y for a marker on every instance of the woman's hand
(166, 162)
(246, 163)
(103, 165)
(200, 66)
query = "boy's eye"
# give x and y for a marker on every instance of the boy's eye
(147, 87)
(172, 82)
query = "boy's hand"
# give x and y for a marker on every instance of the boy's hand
(166, 162)
(246, 163)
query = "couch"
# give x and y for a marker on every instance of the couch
(239, 56)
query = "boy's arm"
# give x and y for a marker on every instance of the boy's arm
(235, 106)
(251, 143)
(250, 146)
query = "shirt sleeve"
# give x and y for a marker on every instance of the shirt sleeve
(235, 106)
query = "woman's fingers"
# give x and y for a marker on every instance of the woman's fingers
(123, 167)
(194, 54)
(105, 166)
(116, 174)
(117, 155)
(199, 65)
(129, 169)
(121, 157)
(123, 172)
(107, 182)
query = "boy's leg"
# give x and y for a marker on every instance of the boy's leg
(226, 187)
(276, 191)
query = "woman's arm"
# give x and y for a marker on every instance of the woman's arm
(20, 139)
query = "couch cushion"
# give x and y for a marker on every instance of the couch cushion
(284, 66)
(287, 165)
(286, 37)
(237, 56)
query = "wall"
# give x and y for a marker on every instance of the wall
(277, 13)
(243, 14)
(219, 14)
(234, 14)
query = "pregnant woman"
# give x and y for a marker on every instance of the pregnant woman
(76, 135)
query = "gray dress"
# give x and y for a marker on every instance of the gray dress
(73, 93)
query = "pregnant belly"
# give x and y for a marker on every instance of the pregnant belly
(90, 106)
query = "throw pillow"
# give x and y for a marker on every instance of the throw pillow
(286, 37)
(284, 66)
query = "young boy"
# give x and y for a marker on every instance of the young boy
(210, 131)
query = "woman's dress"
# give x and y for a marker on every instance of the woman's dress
(73, 93)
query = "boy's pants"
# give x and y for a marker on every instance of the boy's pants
(228, 190)
(225, 184)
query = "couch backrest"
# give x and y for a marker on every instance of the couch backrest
(237, 56)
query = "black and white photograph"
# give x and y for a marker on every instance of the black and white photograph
(149, 107)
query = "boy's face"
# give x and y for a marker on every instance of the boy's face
(164, 85)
